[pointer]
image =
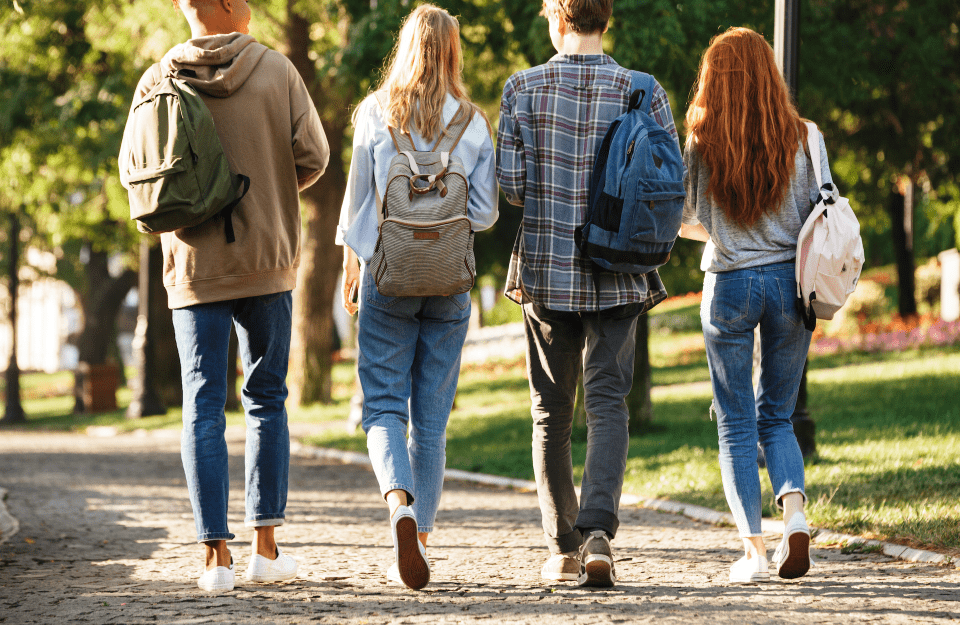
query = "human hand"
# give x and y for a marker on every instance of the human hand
(351, 282)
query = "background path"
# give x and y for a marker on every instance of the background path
(106, 537)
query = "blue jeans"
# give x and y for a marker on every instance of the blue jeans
(734, 303)
(409, 365)
(203, 337)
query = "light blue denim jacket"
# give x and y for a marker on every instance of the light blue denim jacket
(373, 150)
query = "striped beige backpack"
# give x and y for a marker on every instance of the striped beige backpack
(425, 246)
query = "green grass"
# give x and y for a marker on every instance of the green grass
(888, 436)
(888, 433)
(48, 402)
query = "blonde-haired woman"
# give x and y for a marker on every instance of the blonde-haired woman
(749, 189)
(409, 347)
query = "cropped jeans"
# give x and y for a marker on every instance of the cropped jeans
(203, 339)
(409, 366)
(734, 303)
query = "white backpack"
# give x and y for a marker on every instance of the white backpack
(829, 250)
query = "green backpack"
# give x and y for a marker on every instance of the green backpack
(172, 163)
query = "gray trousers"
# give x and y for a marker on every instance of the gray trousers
(558, 344)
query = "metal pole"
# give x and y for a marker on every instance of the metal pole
(786, 46)
(786, 41)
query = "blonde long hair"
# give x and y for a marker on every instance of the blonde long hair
(426, 64)
(743, 124)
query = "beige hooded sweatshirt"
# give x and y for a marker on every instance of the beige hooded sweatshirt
(270, 131)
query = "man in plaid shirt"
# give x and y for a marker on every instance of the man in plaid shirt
(552, 118)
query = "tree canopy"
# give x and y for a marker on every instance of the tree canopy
(880, 77)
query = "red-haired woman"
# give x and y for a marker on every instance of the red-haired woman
(749, 189)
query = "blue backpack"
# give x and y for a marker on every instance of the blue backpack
(636, 191)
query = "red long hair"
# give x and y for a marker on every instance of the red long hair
(745, 127)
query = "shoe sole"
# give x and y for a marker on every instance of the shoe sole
(414, 570)
(753, 578)
(561, 577)
(797, 562)
(211, 587)
(270, 578)
(597, 572)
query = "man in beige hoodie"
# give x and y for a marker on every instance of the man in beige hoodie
(270, 131)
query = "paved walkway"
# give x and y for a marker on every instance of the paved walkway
(106, 537)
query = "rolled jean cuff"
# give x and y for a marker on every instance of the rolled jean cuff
(406, 489)
(424, 529)
(787, 491)
(598, 520)
(205, 538)
(265, 521)
(566, 543)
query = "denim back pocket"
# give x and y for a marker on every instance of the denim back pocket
(789, 300)
(461, 300)
(730, 300)
(372, 296)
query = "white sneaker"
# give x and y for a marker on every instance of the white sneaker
(747, 570)
(561, 567)
(263, 569)
(218, 578)
(792, 557)
(409, 554)
(393, 574)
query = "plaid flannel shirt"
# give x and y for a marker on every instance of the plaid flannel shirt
(552, 119)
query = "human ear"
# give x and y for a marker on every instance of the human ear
(227, 5)
(561, 26)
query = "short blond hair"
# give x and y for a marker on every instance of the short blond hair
(584, 17)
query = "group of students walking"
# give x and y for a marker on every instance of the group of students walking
(749, 185)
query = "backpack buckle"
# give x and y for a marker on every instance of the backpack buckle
(432, 181)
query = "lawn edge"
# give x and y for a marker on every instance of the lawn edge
(702, 514)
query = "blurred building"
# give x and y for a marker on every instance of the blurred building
(48, 314)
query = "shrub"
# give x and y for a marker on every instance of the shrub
(927, 283)
(868, 302)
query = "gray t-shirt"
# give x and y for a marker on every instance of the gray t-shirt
(773, 238)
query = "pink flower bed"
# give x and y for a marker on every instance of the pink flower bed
(938, 333)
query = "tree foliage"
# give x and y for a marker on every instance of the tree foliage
(880, 77)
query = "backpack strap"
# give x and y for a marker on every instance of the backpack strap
(404, 143)
(814, 146)
(450, 136)
(828, 192)
(227, 211)
(644, 83)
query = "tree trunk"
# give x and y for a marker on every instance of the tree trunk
(639, 404)
(312, 339)
(166, 370)
(101, 303)
(13, 414)
(146, 398)
(901, 226)
(311, 353)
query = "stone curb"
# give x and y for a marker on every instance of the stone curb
(9, 525)
(697, 513)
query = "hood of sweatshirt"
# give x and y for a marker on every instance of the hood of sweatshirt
(217, 65)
